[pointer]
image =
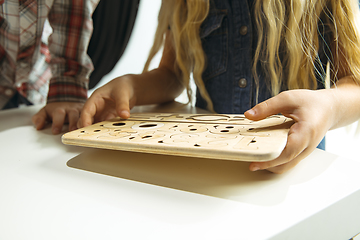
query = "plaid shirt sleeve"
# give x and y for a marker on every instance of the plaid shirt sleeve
(71, 66)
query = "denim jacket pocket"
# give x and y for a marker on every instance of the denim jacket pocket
(214, 37)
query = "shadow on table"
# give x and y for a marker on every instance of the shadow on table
(217, 178)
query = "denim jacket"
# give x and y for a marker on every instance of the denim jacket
(228, 39)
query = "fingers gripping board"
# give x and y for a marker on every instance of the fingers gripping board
(219, 136)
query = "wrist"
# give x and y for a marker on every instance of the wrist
(345, 98)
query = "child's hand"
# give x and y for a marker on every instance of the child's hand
(58, 113)
(312, 113)
(115, 98)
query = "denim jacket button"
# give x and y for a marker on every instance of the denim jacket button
(242, 83)
(243, 30)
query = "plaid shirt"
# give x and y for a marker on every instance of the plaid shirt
(38, 65)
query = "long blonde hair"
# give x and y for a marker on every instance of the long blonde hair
(288, 26)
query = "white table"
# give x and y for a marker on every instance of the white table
(52, 191)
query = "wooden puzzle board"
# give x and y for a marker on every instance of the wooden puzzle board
(219, 136)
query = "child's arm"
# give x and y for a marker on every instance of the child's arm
(314, 113)
(70, 64)
(117, 97)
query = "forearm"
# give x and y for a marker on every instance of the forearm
(346, 102)
(157, 86)
(118, 96)
(161, 84)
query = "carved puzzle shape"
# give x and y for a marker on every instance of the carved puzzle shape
(219, 136)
